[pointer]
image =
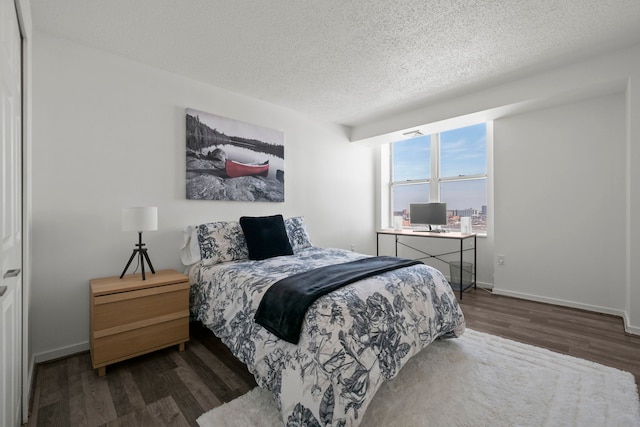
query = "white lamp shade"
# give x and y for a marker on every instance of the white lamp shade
(140, 219)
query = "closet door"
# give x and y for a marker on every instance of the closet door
(10, 217)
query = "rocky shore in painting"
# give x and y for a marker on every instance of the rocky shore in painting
(207, 181)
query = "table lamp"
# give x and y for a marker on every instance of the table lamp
(139, 219)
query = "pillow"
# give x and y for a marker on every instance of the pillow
(190, 251)
(266, 236)
(297, 232)
(221, 242)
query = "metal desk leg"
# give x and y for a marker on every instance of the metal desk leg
(396, 245)
(475, 262)
(461, 268)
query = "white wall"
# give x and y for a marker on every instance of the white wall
(590, 105)
(560, 204)
(110, 133)
(632, 169)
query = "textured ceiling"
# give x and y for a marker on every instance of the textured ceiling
(343, 61)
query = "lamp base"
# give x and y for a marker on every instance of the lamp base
(142, 254)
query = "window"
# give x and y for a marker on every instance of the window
(448, 167)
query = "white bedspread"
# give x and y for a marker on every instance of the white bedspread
(352, 339)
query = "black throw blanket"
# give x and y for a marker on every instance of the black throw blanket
(285, 303)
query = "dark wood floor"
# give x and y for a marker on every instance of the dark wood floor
(165, 388)
(170, 387)
(584, 334)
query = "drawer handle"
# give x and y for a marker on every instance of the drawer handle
(11, 273)
(3, 289)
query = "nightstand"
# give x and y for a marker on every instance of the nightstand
(131, 316)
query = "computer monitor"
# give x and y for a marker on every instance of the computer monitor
(428, 214)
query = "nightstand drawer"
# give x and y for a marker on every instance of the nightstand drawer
(112, 348)
(132, 316)
(129, 307)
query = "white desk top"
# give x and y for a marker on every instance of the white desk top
(409, 232)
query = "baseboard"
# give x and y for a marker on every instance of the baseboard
(633, 330)
(588, 307)
(485, 285)
(61, 352)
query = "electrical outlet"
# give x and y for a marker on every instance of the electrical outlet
(500, 259)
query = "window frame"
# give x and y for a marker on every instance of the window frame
(435, 179)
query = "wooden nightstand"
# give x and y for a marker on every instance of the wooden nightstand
(131, 316)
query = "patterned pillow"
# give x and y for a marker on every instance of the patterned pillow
(221, 242)
(297, 232)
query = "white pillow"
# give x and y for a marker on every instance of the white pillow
(190, 251)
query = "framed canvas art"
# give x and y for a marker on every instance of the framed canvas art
(232, 160)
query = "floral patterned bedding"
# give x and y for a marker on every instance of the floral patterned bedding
(352, 339)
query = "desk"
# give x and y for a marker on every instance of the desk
(461, 237)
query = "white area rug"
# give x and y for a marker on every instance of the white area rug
(477, 380)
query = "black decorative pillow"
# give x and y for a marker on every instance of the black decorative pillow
(266, 236)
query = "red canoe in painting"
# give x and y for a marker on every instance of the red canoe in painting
(236, 169)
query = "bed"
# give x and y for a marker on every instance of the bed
(351, 340)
